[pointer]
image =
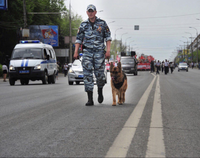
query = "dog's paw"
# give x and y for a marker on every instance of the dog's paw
(113, 104)
(120, 103)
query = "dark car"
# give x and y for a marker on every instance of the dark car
(129, 64)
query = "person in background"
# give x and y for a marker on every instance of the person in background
(192, 64)
(158, 67)
(199, 65)
(152, 66)
(5, 71)
(57, 70)
(166, 66)
(171, 67)
(65, 69)
(162, 66)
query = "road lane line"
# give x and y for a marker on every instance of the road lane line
(122, 142)
(155, 146)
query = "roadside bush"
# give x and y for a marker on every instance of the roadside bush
(1, 71)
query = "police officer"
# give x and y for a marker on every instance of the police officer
(92, 34)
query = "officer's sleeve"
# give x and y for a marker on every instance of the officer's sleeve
(80, 35)
(107, 34)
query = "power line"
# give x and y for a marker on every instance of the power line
(173, 16)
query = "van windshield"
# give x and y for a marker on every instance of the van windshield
(127, 61)
(27, 53)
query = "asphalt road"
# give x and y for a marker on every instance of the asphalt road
(160, 117)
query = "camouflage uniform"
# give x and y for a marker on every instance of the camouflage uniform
(92, 37)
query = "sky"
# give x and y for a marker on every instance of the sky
(163, 24)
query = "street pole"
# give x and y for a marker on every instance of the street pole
(183, 50)
(115, 37)
(125, 41)
(186, 45)
(191, 46)
(130, 45)
(70, 34)
(121, 41)
(24, 9)
(197, 44)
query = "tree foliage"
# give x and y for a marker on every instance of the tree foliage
(12, 20)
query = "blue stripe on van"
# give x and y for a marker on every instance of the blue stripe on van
(26, 63)
(22, 64)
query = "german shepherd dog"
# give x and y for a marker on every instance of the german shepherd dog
(118, 83)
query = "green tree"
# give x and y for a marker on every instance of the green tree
(12, 20)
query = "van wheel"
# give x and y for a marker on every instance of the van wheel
(11, 81)
(53, 78)
(45, 78)
(22, 81)
(70, 83)
(49, 79)
(26, 82)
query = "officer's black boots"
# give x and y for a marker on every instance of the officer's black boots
(100, 93)
(90, 99)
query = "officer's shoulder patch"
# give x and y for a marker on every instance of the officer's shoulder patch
(101, 20)
(85, 21)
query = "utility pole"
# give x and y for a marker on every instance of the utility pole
(24, 9)
(70, 34)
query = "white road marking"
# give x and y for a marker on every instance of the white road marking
(122, 143)
(155, 146)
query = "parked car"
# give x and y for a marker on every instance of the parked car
(75, 73)
(183, 66)
(129, 64)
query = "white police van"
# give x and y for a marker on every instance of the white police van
(33, 60)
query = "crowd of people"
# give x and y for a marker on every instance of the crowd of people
(164, 66)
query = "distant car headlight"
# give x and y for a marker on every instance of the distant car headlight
(71, 71)
(37, 67)
(11, 68)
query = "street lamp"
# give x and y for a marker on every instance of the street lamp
(130, 45)
(197, 43)
(183, 49)
(121, 41)
(186, 45)
(115, 36)
(126, 39)
(111, 22)
(191, 45)
(116, 31)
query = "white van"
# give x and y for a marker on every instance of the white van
(33, 60)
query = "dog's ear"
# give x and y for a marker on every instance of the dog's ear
(111, 65)
(119, 66)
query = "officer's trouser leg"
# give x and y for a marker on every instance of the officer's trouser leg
(87, 64)
(99, 69)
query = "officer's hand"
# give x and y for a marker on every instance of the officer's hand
(75, 55)
(107, 55)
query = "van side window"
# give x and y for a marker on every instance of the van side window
(45, 53)
(52, 53)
